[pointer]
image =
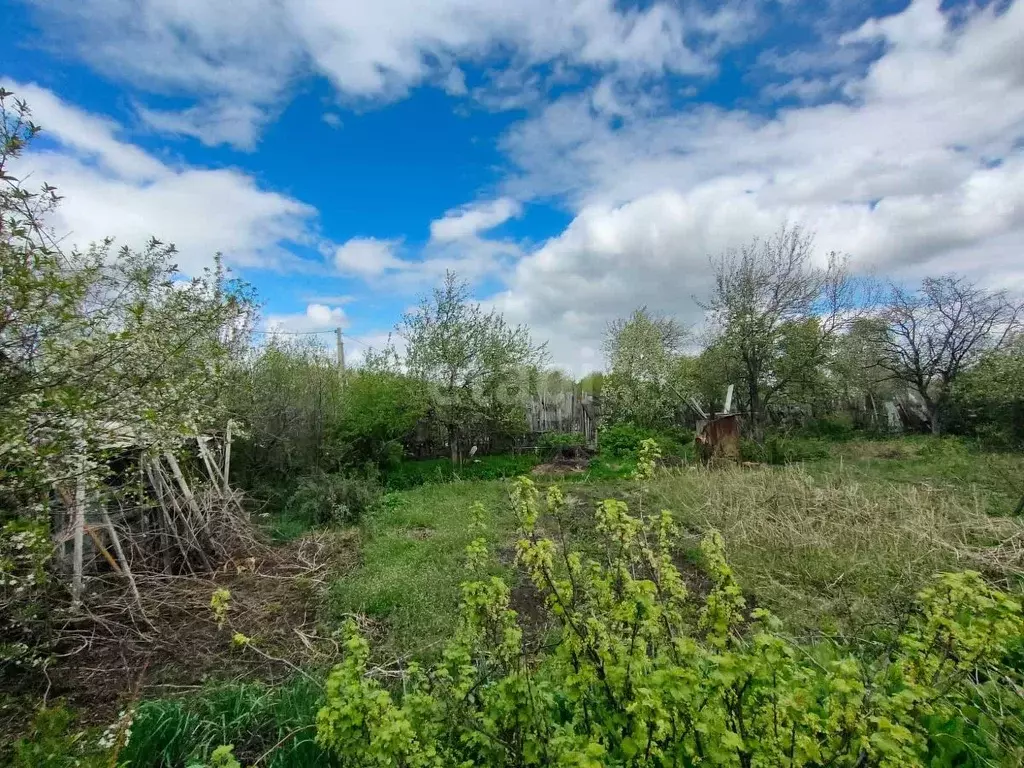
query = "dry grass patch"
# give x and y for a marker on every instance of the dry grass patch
(275, 598)
(836, 552)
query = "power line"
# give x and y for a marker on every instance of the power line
(357, 341)
(293, 333)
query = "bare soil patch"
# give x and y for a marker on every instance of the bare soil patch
(561, 468)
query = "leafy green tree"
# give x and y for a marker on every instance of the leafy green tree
(642, 385)
(473, 363)
(777, 312)
(990, 396)
(937, 332)
(100, 350)
(555, 381)
(858, 377)
(802, 363)
(593, 383)
(379, 410)
(288, 395)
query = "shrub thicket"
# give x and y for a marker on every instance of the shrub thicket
(333, 499)
(559, 444)
(622, 441)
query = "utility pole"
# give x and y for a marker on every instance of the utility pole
(341, 350)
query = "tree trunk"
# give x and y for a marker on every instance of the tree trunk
(453, 443)
(756, 417)
(933, 416)
(932, 409)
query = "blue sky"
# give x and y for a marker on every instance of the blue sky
(571, 158)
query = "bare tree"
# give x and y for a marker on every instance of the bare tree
(767, 291)
(934, 333)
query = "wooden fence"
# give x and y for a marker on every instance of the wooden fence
(558, 412)
(564, 412)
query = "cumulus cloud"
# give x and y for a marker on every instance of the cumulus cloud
(367, 257)
(471, 220)
(248, 51)
(114, 188)
(213, 123)
(919, 169)
(317, 317)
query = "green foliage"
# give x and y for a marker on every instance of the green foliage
(642, 386)
(380, 408)
(100, 350)
(640, 677)
(224, 757)
(100, 346)
(833, 428)
(475, 367)
(554, 381)
(593, 383)
(553, 444)
(989, 398)
(289, 397)
(779, 449)
(256, 719)
(410, 474)
(778, 315)
(333, 499)
(411, 562)
(25, 551)
(857, 375)
(53, 742)
(938, 332)
(624, 440)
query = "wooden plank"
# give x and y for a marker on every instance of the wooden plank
(156, 480)
(79, 534)
(125, 569)
(227, 458)
(103, 550)
(187, 492)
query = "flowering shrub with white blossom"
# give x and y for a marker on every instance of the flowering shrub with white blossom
(25, 550)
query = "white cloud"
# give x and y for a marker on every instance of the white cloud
(454, 82)
(247, 52)
(471, 220)
(333, 119)
(919, 170)
(90, 137)
(317, 317)
(367, 257)
(341, 299)
(114, 188)
(219, 122)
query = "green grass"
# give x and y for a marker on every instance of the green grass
(839, 541)
(410, 474)
(412, 561)
(836, 544)
(948, 462)
(256, 719)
